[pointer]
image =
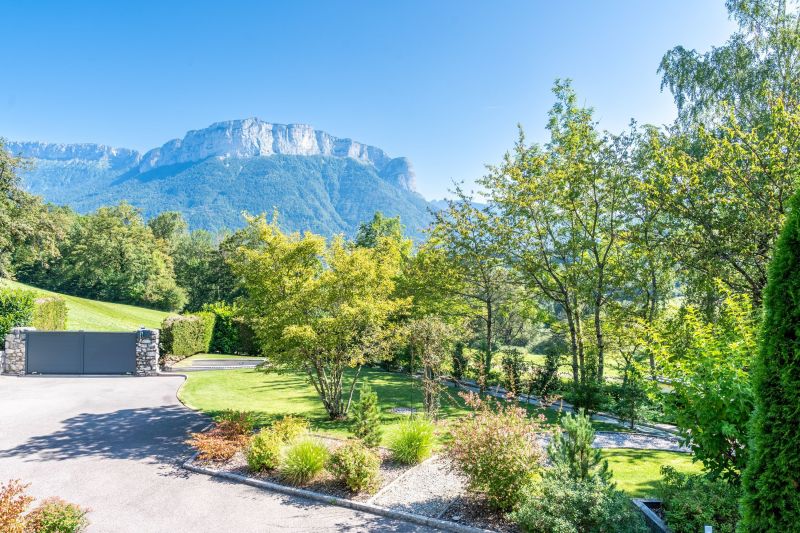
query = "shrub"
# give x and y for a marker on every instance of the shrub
(54, 515)
(412, 443)
(460, 362)
(356, 466)
(216, 445)
(367, 417)
(248, 344)
(495, 446)
(13, 504)
(235, 422)
(571, 449)
(303, 461)
(513, 367)
(693, 501)
(50, 314)
(290, 427)
(264, 451)
(17, 308)
(184, 335)
(560, 504)
(208, 320)
(225, 338)
(771, 482)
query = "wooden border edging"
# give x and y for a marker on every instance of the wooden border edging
(421, 520)
(654, 522)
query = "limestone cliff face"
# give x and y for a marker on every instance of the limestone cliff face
(246, 138)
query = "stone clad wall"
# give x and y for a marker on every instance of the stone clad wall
(12, 362)
(147, 352)
(14, 359)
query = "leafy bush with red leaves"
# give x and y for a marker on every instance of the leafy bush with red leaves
(13, 504)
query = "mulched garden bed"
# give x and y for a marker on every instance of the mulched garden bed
(472, 510)
(325, 483)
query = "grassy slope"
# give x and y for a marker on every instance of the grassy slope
(92, 315)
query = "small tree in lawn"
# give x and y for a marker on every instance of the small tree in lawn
(571, 450)
(367, 417)
(771, 479)
(431, 340)
(322, 309)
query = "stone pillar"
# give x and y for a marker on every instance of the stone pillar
(14, 361)
(147, 352)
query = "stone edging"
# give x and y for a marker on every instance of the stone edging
(443, 525)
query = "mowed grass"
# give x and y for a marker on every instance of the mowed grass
(637, 472)
(215, 356)
(93, 315)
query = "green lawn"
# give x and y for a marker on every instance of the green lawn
(636, 471)
(93, 315)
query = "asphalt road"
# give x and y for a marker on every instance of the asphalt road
(113, 444)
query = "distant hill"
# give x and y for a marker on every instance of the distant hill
(316, 181)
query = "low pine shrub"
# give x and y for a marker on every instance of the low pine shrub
(692, 501)
(560, 504)
(264, 451)
(356, 466)
(17, 308)
(303, 461)
(54, 515)
(50, 314)
(412, 442)
(13, 504)
(367, 417)
(496, 448)
(290, 428)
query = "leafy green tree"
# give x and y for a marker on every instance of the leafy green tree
(168, 227)
(319, 308)
(708, 365)
(370, 233)
(571, 450)
(367, 417)
(431, 340)
(202, 271)
(772, 478)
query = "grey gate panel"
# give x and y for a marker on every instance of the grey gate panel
(80, 352)
(50, 352)
(109, 353)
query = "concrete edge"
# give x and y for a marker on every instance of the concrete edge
(413, 518)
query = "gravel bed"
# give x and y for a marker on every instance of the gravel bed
(325, 484)
(472, 510)
(428, 489)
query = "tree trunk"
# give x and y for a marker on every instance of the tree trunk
(573, 340)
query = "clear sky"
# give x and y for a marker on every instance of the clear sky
(442, 82)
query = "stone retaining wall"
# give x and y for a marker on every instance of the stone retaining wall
(147, 352)
(14, 360)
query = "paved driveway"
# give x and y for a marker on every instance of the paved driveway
(112, 444)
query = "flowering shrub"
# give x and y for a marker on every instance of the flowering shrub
(412, 443)
(264, 451)
(495, 446)
(356, 466)
(13, 504)
(54, 515)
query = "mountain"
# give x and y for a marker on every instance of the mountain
(316, 181)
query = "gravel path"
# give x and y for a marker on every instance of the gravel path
(427, 489)
(639, 441)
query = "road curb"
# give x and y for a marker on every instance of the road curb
(413, 518)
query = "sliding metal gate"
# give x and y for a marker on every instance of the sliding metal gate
(80, 352)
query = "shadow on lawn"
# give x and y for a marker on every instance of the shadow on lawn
(156, 433)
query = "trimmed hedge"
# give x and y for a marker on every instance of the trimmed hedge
(232, 334)
(50, 314)
(17, 307)
(185, 335)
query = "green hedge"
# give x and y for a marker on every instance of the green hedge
(185, 335)
(50, 314)
(232, 334)
(17, 308)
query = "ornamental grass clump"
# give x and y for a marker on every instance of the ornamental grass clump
(496, 448)
(356, 466)
(303, 461)
(413, 441)
(264, 451)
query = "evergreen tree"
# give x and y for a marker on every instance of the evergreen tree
(367, 418)
(571, 450)
(772, 477)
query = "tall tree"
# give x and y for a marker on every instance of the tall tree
(321, 309)
(772, 477)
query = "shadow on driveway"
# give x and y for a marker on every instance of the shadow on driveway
(156, 433)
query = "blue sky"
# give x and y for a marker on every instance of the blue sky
(443, 82)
